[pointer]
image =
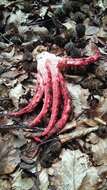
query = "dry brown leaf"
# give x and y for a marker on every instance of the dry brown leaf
(9, 158)
(99, 152)
(79, 97)
(15, 93)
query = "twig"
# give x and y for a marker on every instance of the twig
(21, 126)
(79, 132)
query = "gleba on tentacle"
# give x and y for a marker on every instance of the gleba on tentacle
(52, 86)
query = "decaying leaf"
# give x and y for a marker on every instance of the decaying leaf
(50, 153)
(74, 172)
(102, 3)
(99, 152)
(3, 90)
(3, 2)
(92, 138)
(10, 74)
(92, 30)
(5, 184)
(102, 34)
(79, 97)
(19, 139)
(91, 181)
(9, 158)
(7, 56)
(17, 18)
(15, 93)
(102, 108)
(20, 182)
(44, 181)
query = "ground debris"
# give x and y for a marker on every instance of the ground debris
(74, 172)
(50, 153)
(9, 158)
(74, 158)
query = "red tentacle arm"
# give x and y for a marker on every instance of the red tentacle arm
(55, 101)
(66, 108)
(68, 62)
(35, 100)
(47, 97)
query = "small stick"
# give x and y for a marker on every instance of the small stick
(79, 132)
(10, 127)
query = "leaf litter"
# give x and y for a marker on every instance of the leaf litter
(75, 159)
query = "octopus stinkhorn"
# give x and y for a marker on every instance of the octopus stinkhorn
(52, 87)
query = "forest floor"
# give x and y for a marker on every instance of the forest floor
(76, 158)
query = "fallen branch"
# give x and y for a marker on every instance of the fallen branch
(78, 133)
